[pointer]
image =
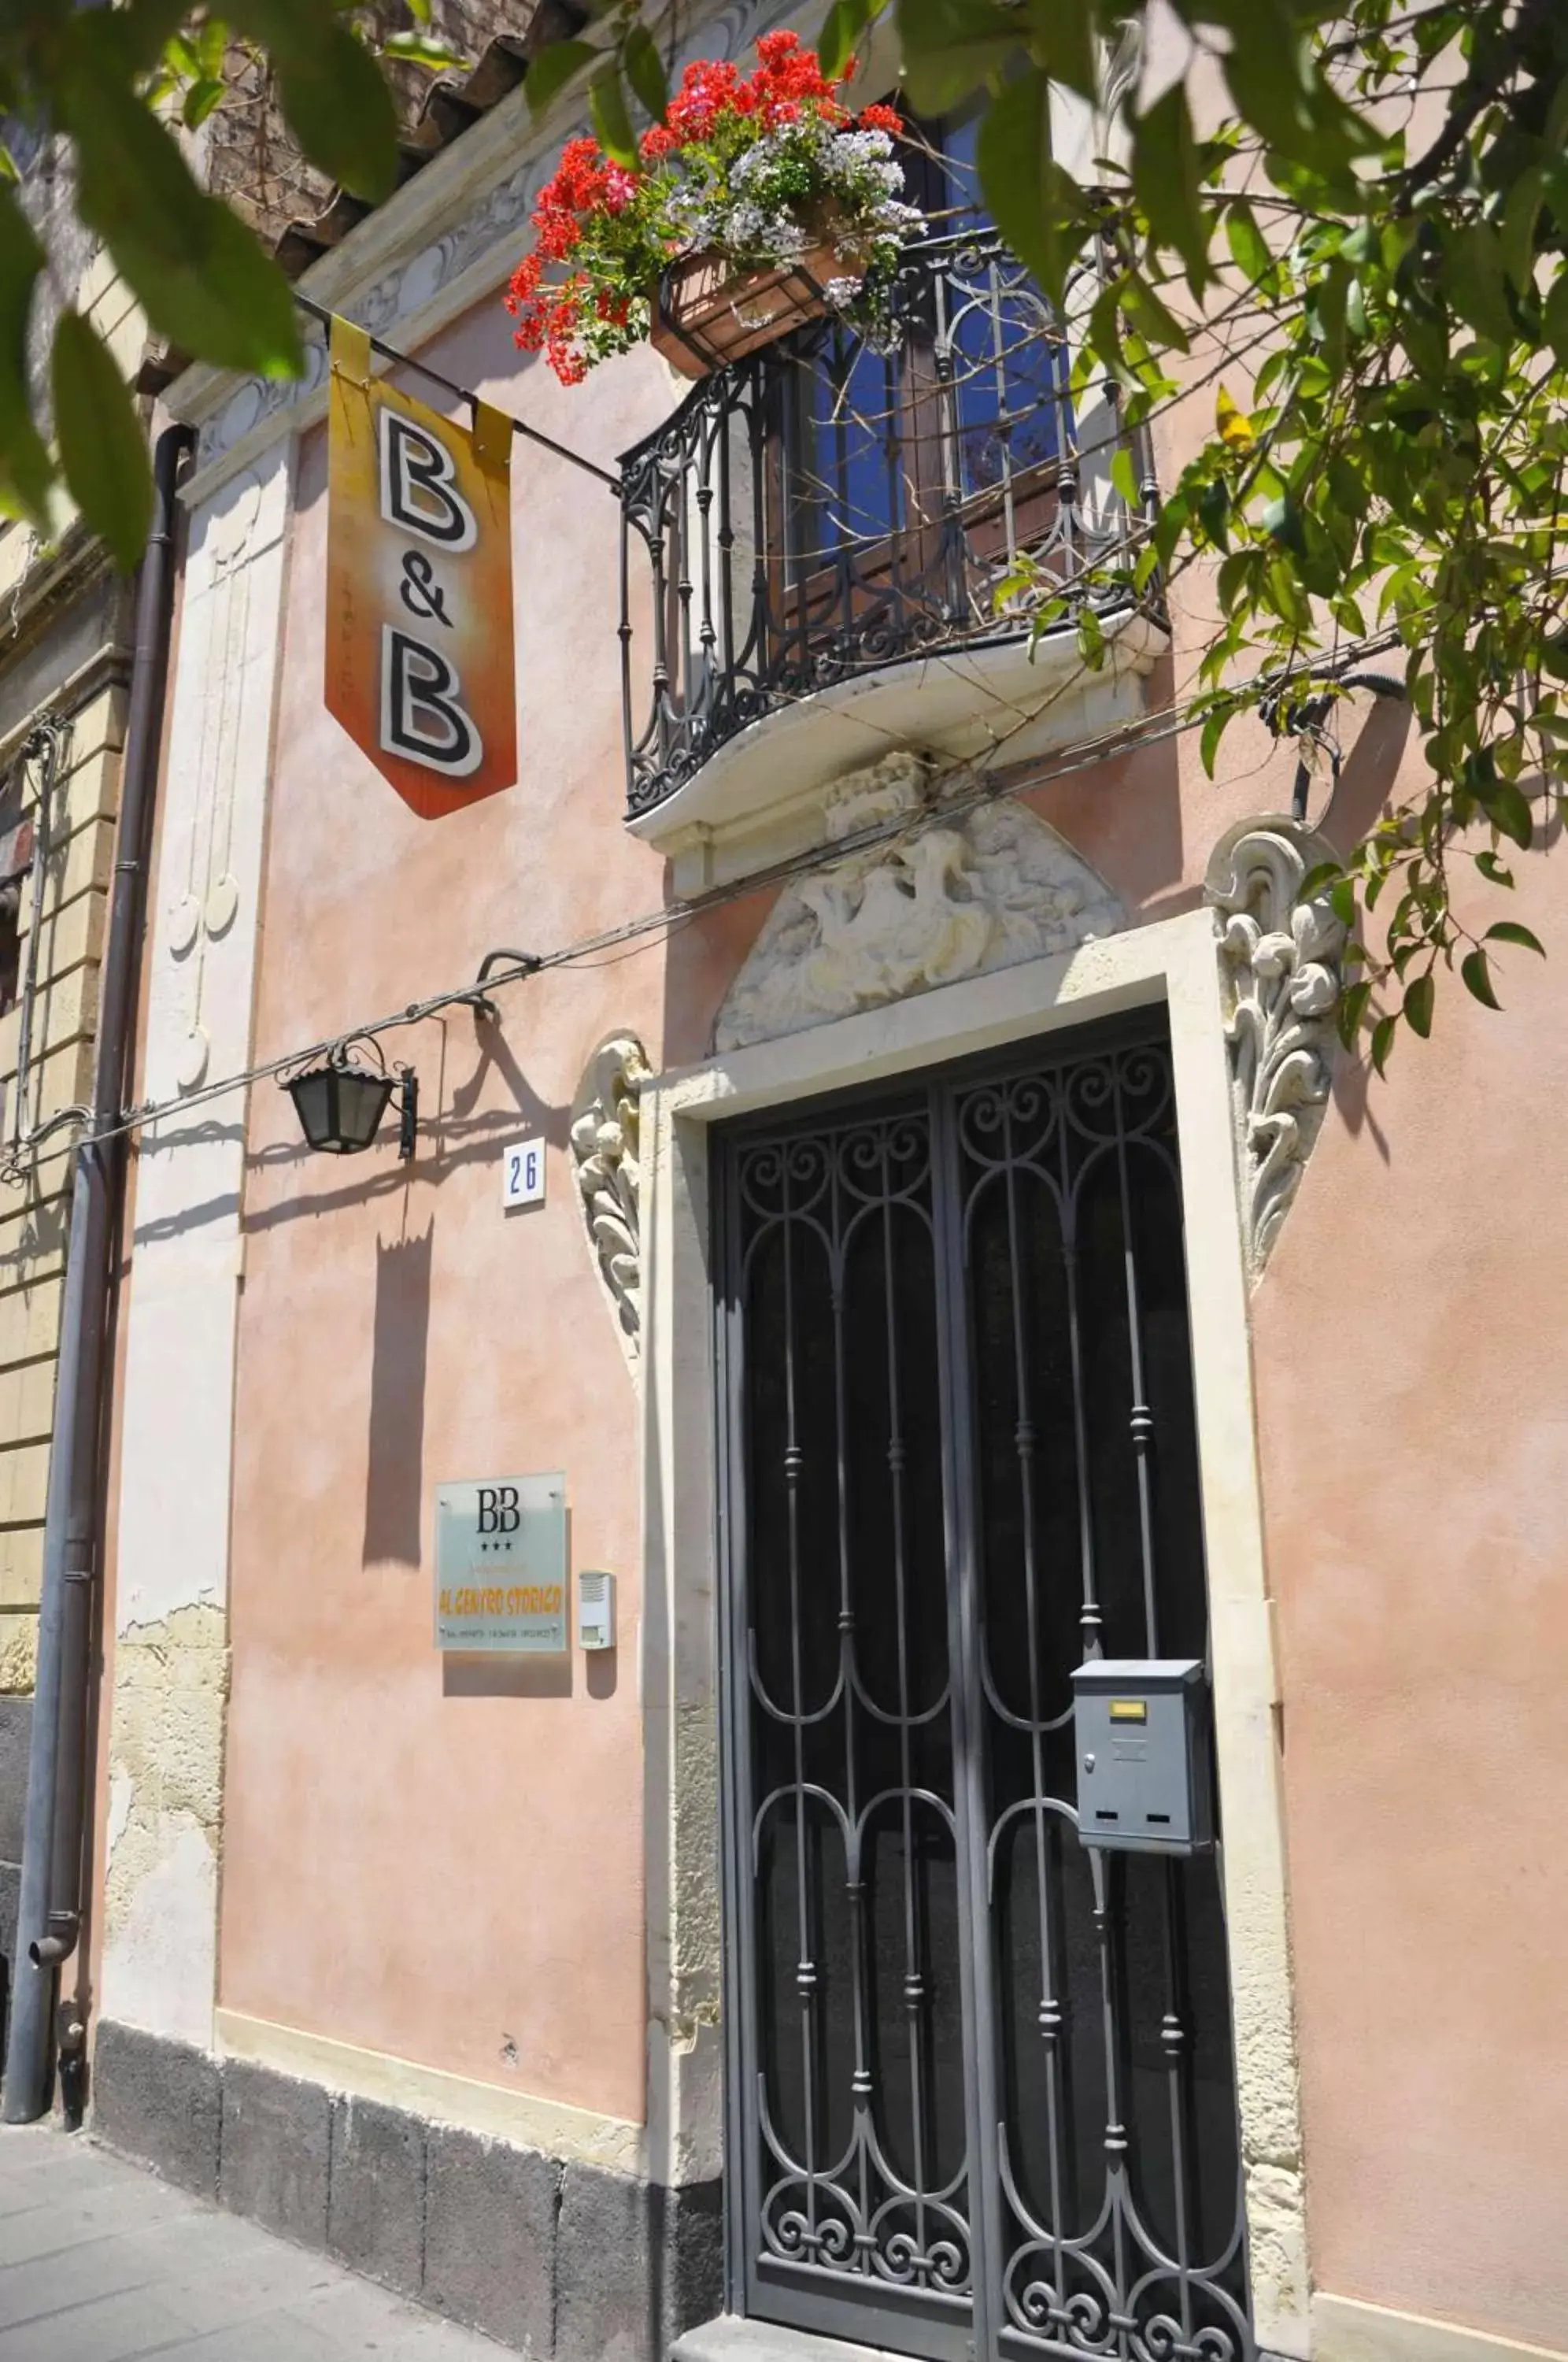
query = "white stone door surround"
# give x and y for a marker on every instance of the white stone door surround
(1173, 961)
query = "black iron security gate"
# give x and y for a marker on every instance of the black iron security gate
(983, 2099)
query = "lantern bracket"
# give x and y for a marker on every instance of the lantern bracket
(479, 1000)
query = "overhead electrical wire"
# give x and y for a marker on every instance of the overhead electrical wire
(1131, 737)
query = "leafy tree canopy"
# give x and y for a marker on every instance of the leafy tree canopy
(1341, 227)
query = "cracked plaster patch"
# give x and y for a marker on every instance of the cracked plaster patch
(166, 1751)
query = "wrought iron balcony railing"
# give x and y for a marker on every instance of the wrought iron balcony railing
(828, 507)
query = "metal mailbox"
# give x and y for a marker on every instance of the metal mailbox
(1142, 1727)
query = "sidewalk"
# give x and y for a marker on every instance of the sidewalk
(101, 2261)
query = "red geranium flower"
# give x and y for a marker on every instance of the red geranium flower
(601, 234)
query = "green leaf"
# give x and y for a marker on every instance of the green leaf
(1279, 91)
(1508, 931)
(1282, 521)
(1493, 868)
(1249, 248)
(1168, 181)
(1383, 1041)
(645, 72)
(201, 100)
(1477, 977)
(842, 28)
(1214, 514)
(331, 88)
(1153, 323)
(1555, 130)
(102, 447)
(554, 66)
(1517, 229)
(1020, 179)
(1351, 1010)
(951, 47)
(612, 121)
(1321, 875)
(1062, 40)
(1091, 639)
(24, 462)
(1504, 803)
(1124, 476)
(148, 28)
(418, 49)
(210, 43)
(1419, 996)
(1214, 729)
(1474, 282)
(1328, 308)
(1554, 317)
(199, 273)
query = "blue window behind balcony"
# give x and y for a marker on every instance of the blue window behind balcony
(838, 501)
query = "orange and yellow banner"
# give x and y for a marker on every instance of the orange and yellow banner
(420, 664)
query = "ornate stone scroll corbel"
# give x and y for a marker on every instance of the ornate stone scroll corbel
(1280, 974)
(605, 1166)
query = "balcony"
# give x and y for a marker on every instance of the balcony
(813, 548)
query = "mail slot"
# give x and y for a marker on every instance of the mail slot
(1142, 1726)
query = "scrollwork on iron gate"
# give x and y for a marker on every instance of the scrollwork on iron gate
(985, 2083)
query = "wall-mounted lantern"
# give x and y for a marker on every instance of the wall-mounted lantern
(341, 1100)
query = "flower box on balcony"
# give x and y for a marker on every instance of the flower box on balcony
(757, 203)
(707, 316)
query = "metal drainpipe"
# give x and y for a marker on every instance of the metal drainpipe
(44, 742)
(50, 1916)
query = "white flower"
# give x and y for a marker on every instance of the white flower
(862, 146)
(744, 225)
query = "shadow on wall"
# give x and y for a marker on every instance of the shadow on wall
(395, 1473)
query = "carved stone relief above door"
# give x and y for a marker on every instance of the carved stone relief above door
(951, 895)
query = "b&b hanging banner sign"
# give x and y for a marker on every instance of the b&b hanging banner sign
(420, 667)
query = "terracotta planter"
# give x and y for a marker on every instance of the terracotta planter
(704, 315)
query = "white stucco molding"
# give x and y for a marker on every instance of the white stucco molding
(1279, 960)
(764, 795)
(1172, 961)
(167, 1713)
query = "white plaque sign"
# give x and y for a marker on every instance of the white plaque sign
(501, 1564)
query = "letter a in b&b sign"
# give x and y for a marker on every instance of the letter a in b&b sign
(421, 666)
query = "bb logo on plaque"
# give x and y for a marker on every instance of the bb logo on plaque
(501, 1565)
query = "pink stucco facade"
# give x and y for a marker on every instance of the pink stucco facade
(1412, 1413)
(442, 1862)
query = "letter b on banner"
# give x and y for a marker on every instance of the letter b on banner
(420, 661)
